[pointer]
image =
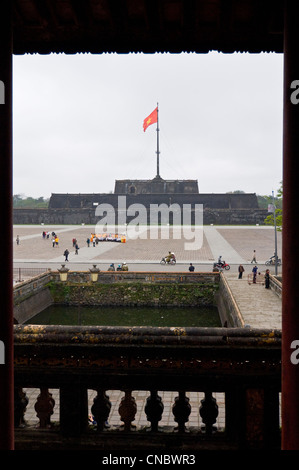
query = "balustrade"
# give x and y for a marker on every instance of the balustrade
(244, 366)
(100, 408)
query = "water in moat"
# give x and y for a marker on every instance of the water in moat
(128, 316)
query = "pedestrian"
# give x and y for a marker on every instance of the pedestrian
(267, 279)
(74, 242)
(254, 257)
(241, 270)
(53, 242)
(88, 242)
(66, 254)
(254, 271)
(191, 268)
(18, 240)
(76, 249)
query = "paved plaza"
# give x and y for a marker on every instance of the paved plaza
(234, 243)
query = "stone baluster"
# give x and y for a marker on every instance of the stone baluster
(101, 409)
(20, 403)
(44, 407)
(127, 410)
(181, 410)
(154, 409)
(208, 412)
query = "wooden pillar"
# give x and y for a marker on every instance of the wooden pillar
(73, 409)
(6, 313)
(290, 274)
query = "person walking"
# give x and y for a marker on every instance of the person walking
(66, 254)
(18, 240)
(191, 268)
(76, 249)
(241, 270)
(254, 257)
(267, 279)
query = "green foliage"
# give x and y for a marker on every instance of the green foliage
(264, 201)
(278, 211)
(270, 219)
(20, 201)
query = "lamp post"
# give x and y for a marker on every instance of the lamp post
(94, 273)
(275, 233)
(63, 273)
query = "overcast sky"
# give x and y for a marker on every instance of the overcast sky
(78, 121)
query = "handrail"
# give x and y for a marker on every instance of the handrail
(163, 336)
(237, 312)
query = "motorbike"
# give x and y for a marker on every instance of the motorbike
(271, 261)
(171, 261)
(222, 265)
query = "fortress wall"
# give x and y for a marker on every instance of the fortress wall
(213, 201)
(157, 185)
(88, 217)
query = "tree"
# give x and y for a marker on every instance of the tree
(278, 211)
(21, 201)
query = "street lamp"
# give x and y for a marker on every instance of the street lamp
(275, 231)
(63, 272)
(94, 273)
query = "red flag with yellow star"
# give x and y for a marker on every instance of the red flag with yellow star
(151, 119)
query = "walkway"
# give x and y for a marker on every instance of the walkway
(260, 307)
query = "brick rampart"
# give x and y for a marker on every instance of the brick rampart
(87, 216)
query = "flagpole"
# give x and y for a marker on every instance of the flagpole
(158, 152)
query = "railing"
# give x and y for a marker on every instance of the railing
(23, 274)
(31, 285)
(276, 285)
(241, 363)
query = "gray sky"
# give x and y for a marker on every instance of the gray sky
(78, 121)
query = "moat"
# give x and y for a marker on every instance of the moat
(127, 316)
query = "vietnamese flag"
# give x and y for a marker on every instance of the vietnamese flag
(151, 119)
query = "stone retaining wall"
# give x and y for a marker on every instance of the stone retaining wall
(129, 289)
(31, 297)
(228, 309)
(276, 285)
